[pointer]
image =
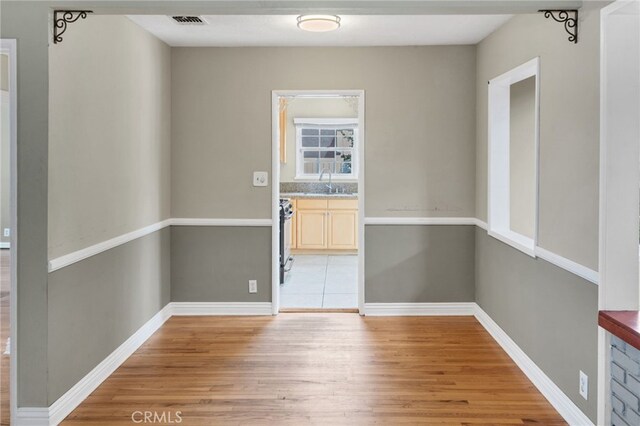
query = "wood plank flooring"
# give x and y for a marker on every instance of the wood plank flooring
(319, 368)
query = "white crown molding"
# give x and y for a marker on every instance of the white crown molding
(220, 308)
(569, 265)
(76, 256)
(220, 222)
(420, 221)
(419, 309)
(560, 401)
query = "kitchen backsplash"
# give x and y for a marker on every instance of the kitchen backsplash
(317, 187)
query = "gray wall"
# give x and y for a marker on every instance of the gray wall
(97, 304)
(29, 22)
(109, 138)
(569, 125)
(109, 165)
(215, 263)
(418, 264)
(522, 153)
(420, 124)
(550, 313)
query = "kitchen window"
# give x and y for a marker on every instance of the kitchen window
(326, 145)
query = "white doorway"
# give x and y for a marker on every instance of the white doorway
(8, 239)
(341, 253)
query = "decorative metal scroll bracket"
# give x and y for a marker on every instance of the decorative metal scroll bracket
(62, 18)
(568, 17)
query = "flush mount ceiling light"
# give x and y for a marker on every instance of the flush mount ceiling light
(318, 23)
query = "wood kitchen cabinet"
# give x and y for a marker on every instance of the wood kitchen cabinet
(326, 224)
(294, 230)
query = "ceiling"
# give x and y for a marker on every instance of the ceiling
(356, 30)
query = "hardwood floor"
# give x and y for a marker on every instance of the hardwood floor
(319, 368)
(5, 287)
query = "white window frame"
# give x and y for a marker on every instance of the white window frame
(499, 208)
(351, 122)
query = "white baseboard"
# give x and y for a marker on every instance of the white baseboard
(560, 401)
(220, 308)
(27, 416)
(419, 309)
(74, 396)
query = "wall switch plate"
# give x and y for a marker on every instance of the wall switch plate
(584, 385)
(7, 232)
(260, 178)
(253, 286)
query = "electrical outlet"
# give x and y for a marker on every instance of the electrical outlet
(584, 385)
(7, 232)
(253, 286)
(260, 178)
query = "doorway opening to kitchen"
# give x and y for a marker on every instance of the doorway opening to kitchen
(318, 205)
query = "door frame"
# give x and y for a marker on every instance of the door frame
(9, 48)
(275, 187)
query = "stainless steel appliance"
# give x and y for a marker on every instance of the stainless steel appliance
(286, 260)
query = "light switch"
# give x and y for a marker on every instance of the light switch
(260, 178)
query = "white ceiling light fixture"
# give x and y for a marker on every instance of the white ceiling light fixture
(318, 23)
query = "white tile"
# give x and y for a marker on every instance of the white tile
(342, 273)
(340, 301)
(344, 260)
(308, 259)
(300, 300)
(302, 287)
(343, 285)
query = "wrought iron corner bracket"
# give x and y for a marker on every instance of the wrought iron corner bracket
(568, 17)
(62, 18)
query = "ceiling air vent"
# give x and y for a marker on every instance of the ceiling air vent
(189, 20)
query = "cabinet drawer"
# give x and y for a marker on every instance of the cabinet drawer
(343, 204)
(306, 204)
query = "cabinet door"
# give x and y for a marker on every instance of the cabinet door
(311, 229)
(294, 225)
(343, 230)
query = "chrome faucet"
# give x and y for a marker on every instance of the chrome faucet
(320, 179)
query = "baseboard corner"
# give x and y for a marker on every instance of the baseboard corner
(556, 397)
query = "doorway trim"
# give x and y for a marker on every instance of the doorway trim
(9, 48)
(275, 186)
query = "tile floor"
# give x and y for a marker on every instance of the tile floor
(321, 281)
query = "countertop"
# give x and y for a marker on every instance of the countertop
(318, 195)
(623, 324)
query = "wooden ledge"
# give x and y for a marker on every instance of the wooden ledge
(622, 324)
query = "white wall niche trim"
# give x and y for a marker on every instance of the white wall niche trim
(558, 399)
(498, 188)
(569, 265)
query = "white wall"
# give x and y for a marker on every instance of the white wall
(309, 108)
